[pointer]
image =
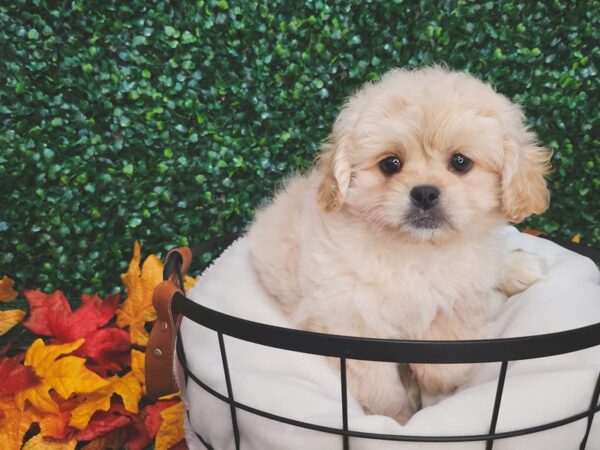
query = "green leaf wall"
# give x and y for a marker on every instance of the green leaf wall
(169, 122)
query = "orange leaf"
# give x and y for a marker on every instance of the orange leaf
(576, 239)
(137, 308)
(127, 387)
(9, 319)
(171, 429)
(7, 293)
(14, 422)
(39, 442)
(55, 425)
(66, 375)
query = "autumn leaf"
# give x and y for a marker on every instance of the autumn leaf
(138, 365)
(10, 318)
(14, 422)
(51, 314)
(105, 349)
(576, 239)
(147, 424)
(43, 308)
(139, 284)
(39, 442)
(127, 387)
(15, 376)
(103, 422)
(171, 429)
(56, 425)
(66, 375)
(7, 293)
(112, 439)
(137, 309)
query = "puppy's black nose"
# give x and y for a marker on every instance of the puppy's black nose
(425, 196)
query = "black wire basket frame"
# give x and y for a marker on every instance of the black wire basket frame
(382, 350)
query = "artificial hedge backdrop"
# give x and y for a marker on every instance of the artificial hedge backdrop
(168, 122)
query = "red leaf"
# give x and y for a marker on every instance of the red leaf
(181, 445)
(138, 437)
(147, 424)
(152, 415)
(43, 308)
(91, 315)
(106, 349)
(15, 376)
(103, 422)
(51, 314)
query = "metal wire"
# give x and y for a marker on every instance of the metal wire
(346, 347)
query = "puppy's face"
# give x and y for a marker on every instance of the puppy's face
(429, 154)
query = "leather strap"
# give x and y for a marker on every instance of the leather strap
(186, 259)
(160, 351)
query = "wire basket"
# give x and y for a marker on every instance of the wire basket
(382, 350)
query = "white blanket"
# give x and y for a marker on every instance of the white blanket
(306, 388)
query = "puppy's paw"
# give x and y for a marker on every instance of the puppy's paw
(441, 378)
(521, 270)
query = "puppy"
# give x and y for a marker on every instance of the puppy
(395, 232)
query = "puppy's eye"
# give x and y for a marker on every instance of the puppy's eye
(390, 165)
(460, 163)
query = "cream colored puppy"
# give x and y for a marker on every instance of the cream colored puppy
(395, 233)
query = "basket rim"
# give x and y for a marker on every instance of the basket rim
(378, 349)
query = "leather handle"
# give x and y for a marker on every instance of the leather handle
(160, 351)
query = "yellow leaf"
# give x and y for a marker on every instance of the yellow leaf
(38, 442)
(188, 282)
(127, 387)
(137, 365)
(171, 429)
(576, 239)
(137, 308)
(66, 375)
(9, 319)
(14, 422)
(7, 293)
(170, 396)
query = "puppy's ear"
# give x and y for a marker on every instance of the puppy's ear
(336, 173)
(524, 190)
(334, 163)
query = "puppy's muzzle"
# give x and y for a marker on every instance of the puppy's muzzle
(425, 196)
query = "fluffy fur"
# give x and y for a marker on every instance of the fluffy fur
(341, 248)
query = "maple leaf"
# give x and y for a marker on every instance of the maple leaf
(171, 428)
(9, 318)
(146, 425)
(39, 442)
(104, 348)
(7, 293)
(137, 309)
(15, 376)
(103, 422)
(51, 314)
(14, 422)
(43, 308)
(138, 365)
(56, 425)
(127, 387)
(112, 439)
(66, 375)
